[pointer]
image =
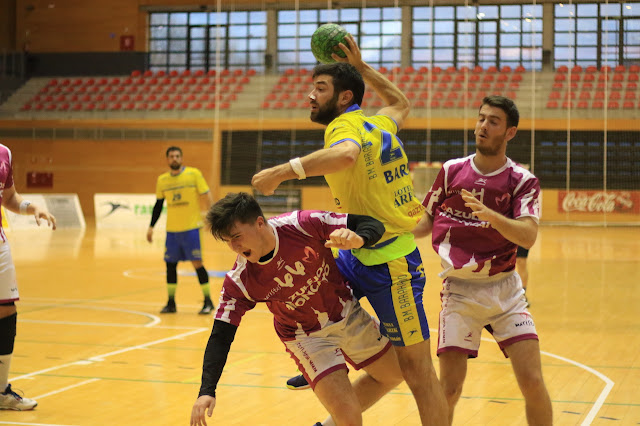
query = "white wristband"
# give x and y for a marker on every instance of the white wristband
(296, 165)
(23, 206)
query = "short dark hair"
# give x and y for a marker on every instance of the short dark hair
(507, 105)
(345, 77)
(173, 148)
(234, 207)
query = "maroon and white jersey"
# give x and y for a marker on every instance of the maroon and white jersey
(300, 284)
(6, 178)
(468, 247)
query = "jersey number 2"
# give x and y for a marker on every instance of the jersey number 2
(388, 153)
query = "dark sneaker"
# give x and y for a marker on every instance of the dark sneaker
(170, 308)
(207, 308)
(318, 424)
(298, 383)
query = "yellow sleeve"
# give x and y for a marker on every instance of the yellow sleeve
(203, 188)
(340, 131)
(385, 122)
(159, 191)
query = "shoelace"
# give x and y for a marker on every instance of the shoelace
(9, 391)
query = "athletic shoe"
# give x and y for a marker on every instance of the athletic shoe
(207, 308)
(298, 383)
(9, 400)
(318, 424)
(170, 308)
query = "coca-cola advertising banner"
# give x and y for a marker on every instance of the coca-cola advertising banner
(599, 201)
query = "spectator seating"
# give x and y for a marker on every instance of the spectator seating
(143, 91)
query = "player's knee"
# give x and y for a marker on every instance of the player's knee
(8, 333)
(531, 383)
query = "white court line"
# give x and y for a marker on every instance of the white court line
(601, 398)
(64, 389)
(603, 395)
(32, 424)
(101, 357)
(154, 318)
(107, 324)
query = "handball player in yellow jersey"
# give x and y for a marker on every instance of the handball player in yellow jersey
(182, 187)
(367, 170)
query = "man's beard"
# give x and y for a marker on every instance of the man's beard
(175, 166)
(491, 150)
(327, 113)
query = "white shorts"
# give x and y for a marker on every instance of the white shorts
(8, 284)
(468, 307)
(356, 339)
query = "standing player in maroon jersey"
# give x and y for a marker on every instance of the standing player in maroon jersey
(479, 210)
(287, 263)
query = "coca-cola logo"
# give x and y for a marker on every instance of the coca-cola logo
(599, 201)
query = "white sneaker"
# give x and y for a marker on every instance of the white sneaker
(9, 400)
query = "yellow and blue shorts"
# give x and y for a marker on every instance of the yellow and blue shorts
(394, 290)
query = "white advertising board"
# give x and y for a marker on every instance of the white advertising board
(126, 211)
(65, 207)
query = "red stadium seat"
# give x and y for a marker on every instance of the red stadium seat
(147, 73)
(196, 106)
(567, 104)
(435, 103)
(505, 69)
(583, 105)
(552, 105)
(591, 69)
(130, 106)
(628, 105)
(520, 68)
(613, 105)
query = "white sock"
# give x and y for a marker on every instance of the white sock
(5, 362)
(329, 422)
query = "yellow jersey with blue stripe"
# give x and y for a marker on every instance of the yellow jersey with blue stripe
(379, 183)
(182, 192)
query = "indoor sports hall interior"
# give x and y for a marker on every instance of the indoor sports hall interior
(93, 93)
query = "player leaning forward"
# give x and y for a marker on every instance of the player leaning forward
(367, 170)
(479, 209)
(287, 263)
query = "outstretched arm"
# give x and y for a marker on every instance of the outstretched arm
(398, 106)
(215, 357)
(16, 203)
(318, 163)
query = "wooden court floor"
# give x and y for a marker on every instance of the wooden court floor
(93, 350)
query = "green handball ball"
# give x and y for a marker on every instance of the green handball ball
(325, 40)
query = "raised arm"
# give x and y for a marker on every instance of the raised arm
(397, 105)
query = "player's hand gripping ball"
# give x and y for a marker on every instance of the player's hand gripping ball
(325, 40)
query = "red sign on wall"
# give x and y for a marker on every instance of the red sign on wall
(599, 201)
(126, 42)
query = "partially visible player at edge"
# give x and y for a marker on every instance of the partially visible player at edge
(182, 187)
(367, 170)
(479, 210)
(12, 201)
